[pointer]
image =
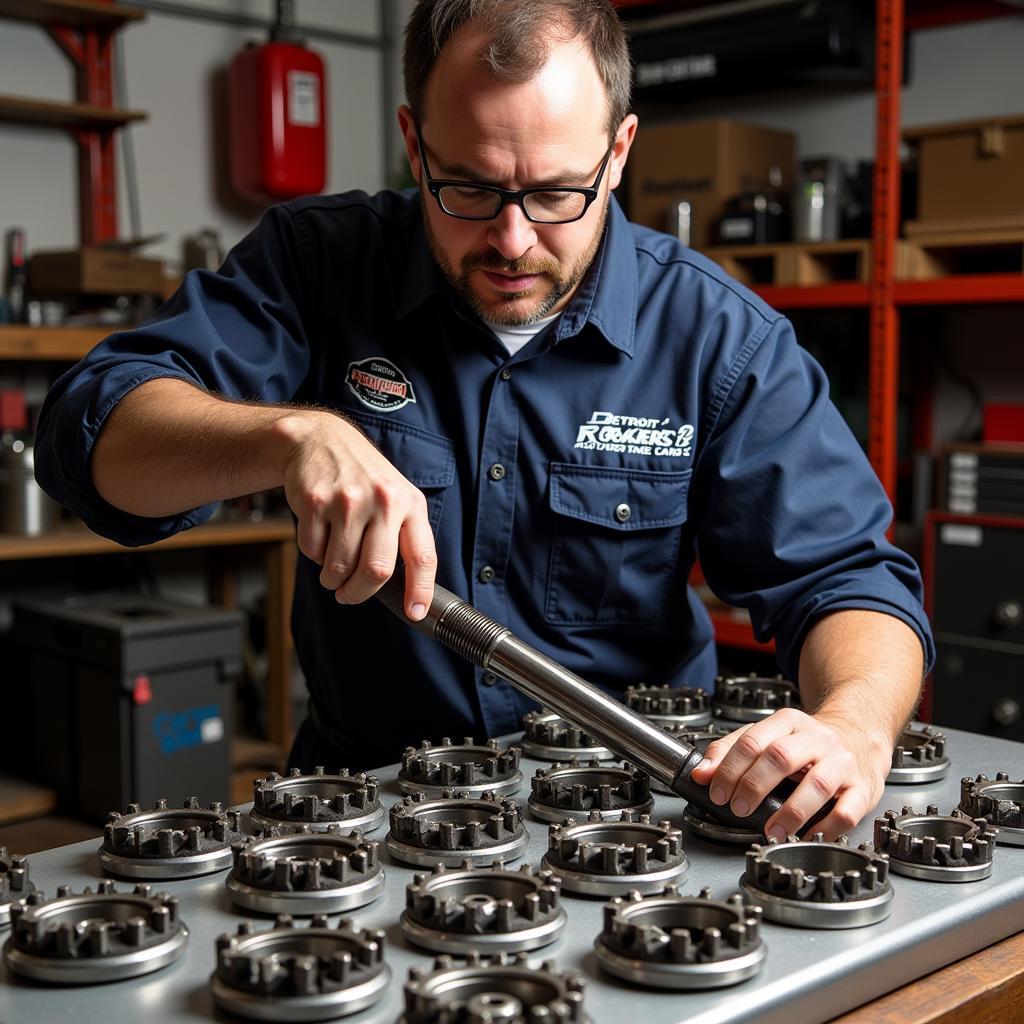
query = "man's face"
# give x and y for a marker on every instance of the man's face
(551, 130)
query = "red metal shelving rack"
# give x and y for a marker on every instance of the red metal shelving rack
(84, 31)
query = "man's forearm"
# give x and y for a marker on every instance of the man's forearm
(168, 447)
(862, 666)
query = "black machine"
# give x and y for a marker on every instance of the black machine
(130, 698)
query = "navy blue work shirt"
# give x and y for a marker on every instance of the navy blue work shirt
(667, 412)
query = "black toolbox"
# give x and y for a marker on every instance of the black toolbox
(130, 699)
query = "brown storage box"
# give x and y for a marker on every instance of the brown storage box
(93, 271)
(970, 170)
(705, 163)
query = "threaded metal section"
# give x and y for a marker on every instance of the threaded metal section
(469, 632)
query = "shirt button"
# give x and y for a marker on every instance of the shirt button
(506, 373)
(488, 679)
(486, 574)
(623, 512)
(496, 472)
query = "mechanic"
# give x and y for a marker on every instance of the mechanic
(498, 378)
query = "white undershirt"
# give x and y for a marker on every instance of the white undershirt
(514, 336)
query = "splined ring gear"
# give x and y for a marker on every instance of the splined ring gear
(817, 884)
(291, 973)
(670, 705)
(548, 737)
(318, 800)
(1000, 802)
(15, 884)
(919, 756)
(936, 847)
(303, 872)
(681, 942)
(699, 738)
(493, 990)
(87, 937)
(574, 789)
(608, 858)
(472, 768)
(751, 698)
(484, 909)
(455, 828)
(169, 842)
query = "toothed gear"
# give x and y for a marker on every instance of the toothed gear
(919, 756)
(89, 936)
(318, 800)
(681, 942)
(169, 842)
(751, 698)
(15, 884)
(470, 767)
(999, 801)
(607, 858)
(668, 705)
(493, 990)
(303, 872)
(575, 788)
(548, 737)
(698, 737)
(448, 830)
(291, 973)
(707, 826)
(484, 909)
(817, 884)
(936, 847)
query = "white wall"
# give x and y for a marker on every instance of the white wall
(172, 66)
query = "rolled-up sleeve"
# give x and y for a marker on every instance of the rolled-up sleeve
(237, 332)
(792, 518)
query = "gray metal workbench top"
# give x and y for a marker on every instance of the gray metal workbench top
(808, 976)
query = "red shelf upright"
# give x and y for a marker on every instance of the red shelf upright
(91, 51)
(883, 353)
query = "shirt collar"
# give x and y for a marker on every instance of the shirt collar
(606, 297)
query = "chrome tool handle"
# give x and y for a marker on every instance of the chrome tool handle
(488, 644)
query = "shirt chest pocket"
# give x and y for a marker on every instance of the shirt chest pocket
(425, 459)
(615, 543)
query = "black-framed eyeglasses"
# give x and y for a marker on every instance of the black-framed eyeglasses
(543, 204)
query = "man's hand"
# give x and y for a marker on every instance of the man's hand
(168, 447)
(860, 675)
(827, 757)
(356, 512)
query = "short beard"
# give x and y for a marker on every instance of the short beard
(562, 284)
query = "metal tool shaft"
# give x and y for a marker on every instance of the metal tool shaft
(488, 644)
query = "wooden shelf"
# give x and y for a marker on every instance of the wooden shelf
(76, 539)
(20, 800)
(70, 13)
(18, 341)
(22, 110)
(844, 294)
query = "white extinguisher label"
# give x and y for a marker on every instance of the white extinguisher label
(303, 98)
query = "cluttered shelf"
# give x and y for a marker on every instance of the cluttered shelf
(76, 539)
(70, 13)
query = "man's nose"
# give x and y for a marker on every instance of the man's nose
(511, 233)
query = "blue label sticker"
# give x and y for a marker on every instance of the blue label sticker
(181, 730)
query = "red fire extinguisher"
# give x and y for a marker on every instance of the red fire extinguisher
(278, 116)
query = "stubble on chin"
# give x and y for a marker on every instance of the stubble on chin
(507, 310)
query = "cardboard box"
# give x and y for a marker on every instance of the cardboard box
(969, 170)
(94, 271)
(705, 163)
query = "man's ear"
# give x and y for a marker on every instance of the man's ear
(407, 126)
(620, 152)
